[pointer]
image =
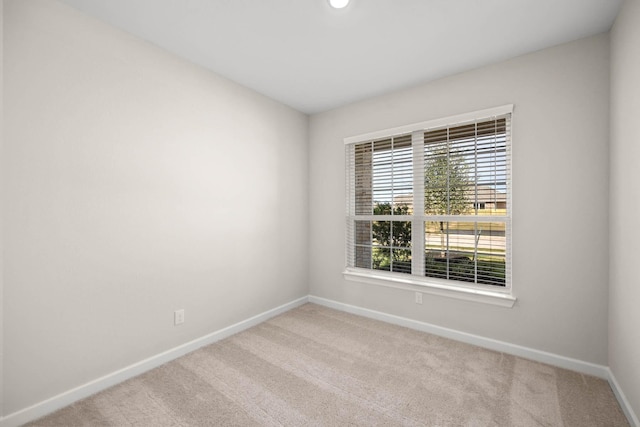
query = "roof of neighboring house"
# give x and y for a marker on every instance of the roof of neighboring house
(487, 194)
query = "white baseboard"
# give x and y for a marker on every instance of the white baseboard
(50, 405)
(599, 371)
(622, 399)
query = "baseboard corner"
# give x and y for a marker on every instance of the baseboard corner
(588, 368)
(633, 419)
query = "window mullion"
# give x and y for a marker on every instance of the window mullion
(417, 223)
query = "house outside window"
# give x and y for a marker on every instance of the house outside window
(430, 204)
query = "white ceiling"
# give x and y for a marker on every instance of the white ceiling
(314, 58)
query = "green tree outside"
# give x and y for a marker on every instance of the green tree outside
(446, 183)
(393, 238)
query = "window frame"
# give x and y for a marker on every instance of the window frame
(502, 296)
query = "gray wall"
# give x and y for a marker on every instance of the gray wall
(560, 186)
(624, 303)
(135, 184)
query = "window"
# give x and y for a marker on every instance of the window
(430, 203)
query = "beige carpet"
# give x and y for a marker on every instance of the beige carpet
(314, 366)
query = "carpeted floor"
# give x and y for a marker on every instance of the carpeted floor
(321, 367)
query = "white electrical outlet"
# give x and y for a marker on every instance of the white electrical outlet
(418, 297)
(178, 317)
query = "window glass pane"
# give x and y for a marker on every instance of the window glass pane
(391, 246)
(402, 176)
(381, 233)
(401, 234)
(392, 176)
(466, 169)
(363, 233)
(382, 174)
(401, 262)
(381, 259)
(363, 244)
(491, 253)
(391, 233)
(435, 178)
(363, 155)
(466, 251)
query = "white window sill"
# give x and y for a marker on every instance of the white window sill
(412, 283)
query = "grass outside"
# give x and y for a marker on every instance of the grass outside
(433, 227)
(486, 270)
(489, 271)
(483, 251)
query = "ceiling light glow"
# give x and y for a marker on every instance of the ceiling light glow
(338, 4)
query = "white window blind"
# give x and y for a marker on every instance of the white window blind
(433, 200)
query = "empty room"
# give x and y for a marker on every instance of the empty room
(345, 212)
